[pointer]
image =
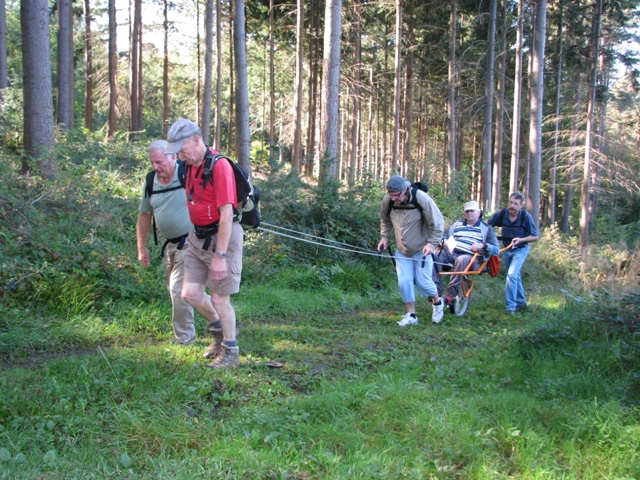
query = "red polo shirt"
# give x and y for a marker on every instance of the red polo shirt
(204, 202)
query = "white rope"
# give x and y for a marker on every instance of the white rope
(351, 249)
(313, 236)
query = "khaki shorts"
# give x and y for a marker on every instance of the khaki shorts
(197, 261)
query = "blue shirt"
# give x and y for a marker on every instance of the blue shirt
(522, 226)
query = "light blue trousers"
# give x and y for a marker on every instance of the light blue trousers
(410, 269)
(514, 290)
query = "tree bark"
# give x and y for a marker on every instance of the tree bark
(556, 128)
(451, 103)
(517, 104)
(165, 69)
(205, 119)
(243, 153)
(217, 135)
(568, 195)
(296, 157)
(88, 87)
(593, 76)
(355, 127)
(488, 108)
(4, 72)
(397, 88)
(134, 80)
(65, 75)
(39, 136)
(272, 84)
(408, 106)
(536, 109)
(330, 90)
(113, 70)
(496, 183)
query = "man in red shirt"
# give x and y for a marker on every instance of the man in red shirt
(214, 259)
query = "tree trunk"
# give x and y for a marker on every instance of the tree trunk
(165, 69)
(65, 65)
(205, 119)
(556, 129)
(355, 127)
(37, 91)
(113, 70)
(134, 85)
(496, 183)
(408, 110)
(517, 104)
(451, 103)
(488, 109)
(605, 68)
(4, 72)
(88, 86)
(296, 157)
(314, 65)
(231, 144)
(397, 88)
(217, 135)
(536, 109)
(593, 77)
(330, 90)
(243, 153)
(568, 195)
(272, 84)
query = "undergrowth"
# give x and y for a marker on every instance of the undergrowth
(330, 386)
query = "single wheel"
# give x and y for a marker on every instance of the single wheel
(460, 303)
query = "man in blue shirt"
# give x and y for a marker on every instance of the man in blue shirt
(519, 229)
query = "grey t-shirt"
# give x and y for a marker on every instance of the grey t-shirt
(169, 208)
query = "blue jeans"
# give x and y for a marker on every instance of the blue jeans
(514, 290)
(410, 269)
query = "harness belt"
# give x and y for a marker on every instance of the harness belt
(208, 231)
(179, 240)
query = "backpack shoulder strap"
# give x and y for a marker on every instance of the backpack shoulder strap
(182, 172)
(149, 183)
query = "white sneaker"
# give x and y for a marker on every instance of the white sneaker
(408, 319)
(438, 312)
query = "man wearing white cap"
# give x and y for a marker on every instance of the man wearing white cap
(463, 240)
(214, 257)
(417, 225)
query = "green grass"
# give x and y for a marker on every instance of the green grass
(91, 386)
(485, 396)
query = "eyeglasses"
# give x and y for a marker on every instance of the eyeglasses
(470, 211)
(394, 194)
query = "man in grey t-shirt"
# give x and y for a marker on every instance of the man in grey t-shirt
(168, 204)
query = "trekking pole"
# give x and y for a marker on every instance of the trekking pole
(393, 260)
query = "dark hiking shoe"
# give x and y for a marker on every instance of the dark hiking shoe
(521, 308)
(229, 357)
(215, 348)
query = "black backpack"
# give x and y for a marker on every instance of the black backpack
(248, 211)
(182, 172)
(415, 186)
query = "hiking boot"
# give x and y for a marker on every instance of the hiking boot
(408, 319)
(215, 348)
(178, 341)
(229, 357)
(521, 308)
(438, 312)
(510, 312)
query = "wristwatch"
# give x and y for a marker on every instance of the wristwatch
(221, 254)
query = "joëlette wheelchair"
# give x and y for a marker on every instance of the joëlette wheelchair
(460, 304)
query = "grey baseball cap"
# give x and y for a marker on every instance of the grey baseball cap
(397, 183)
(178, 133)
